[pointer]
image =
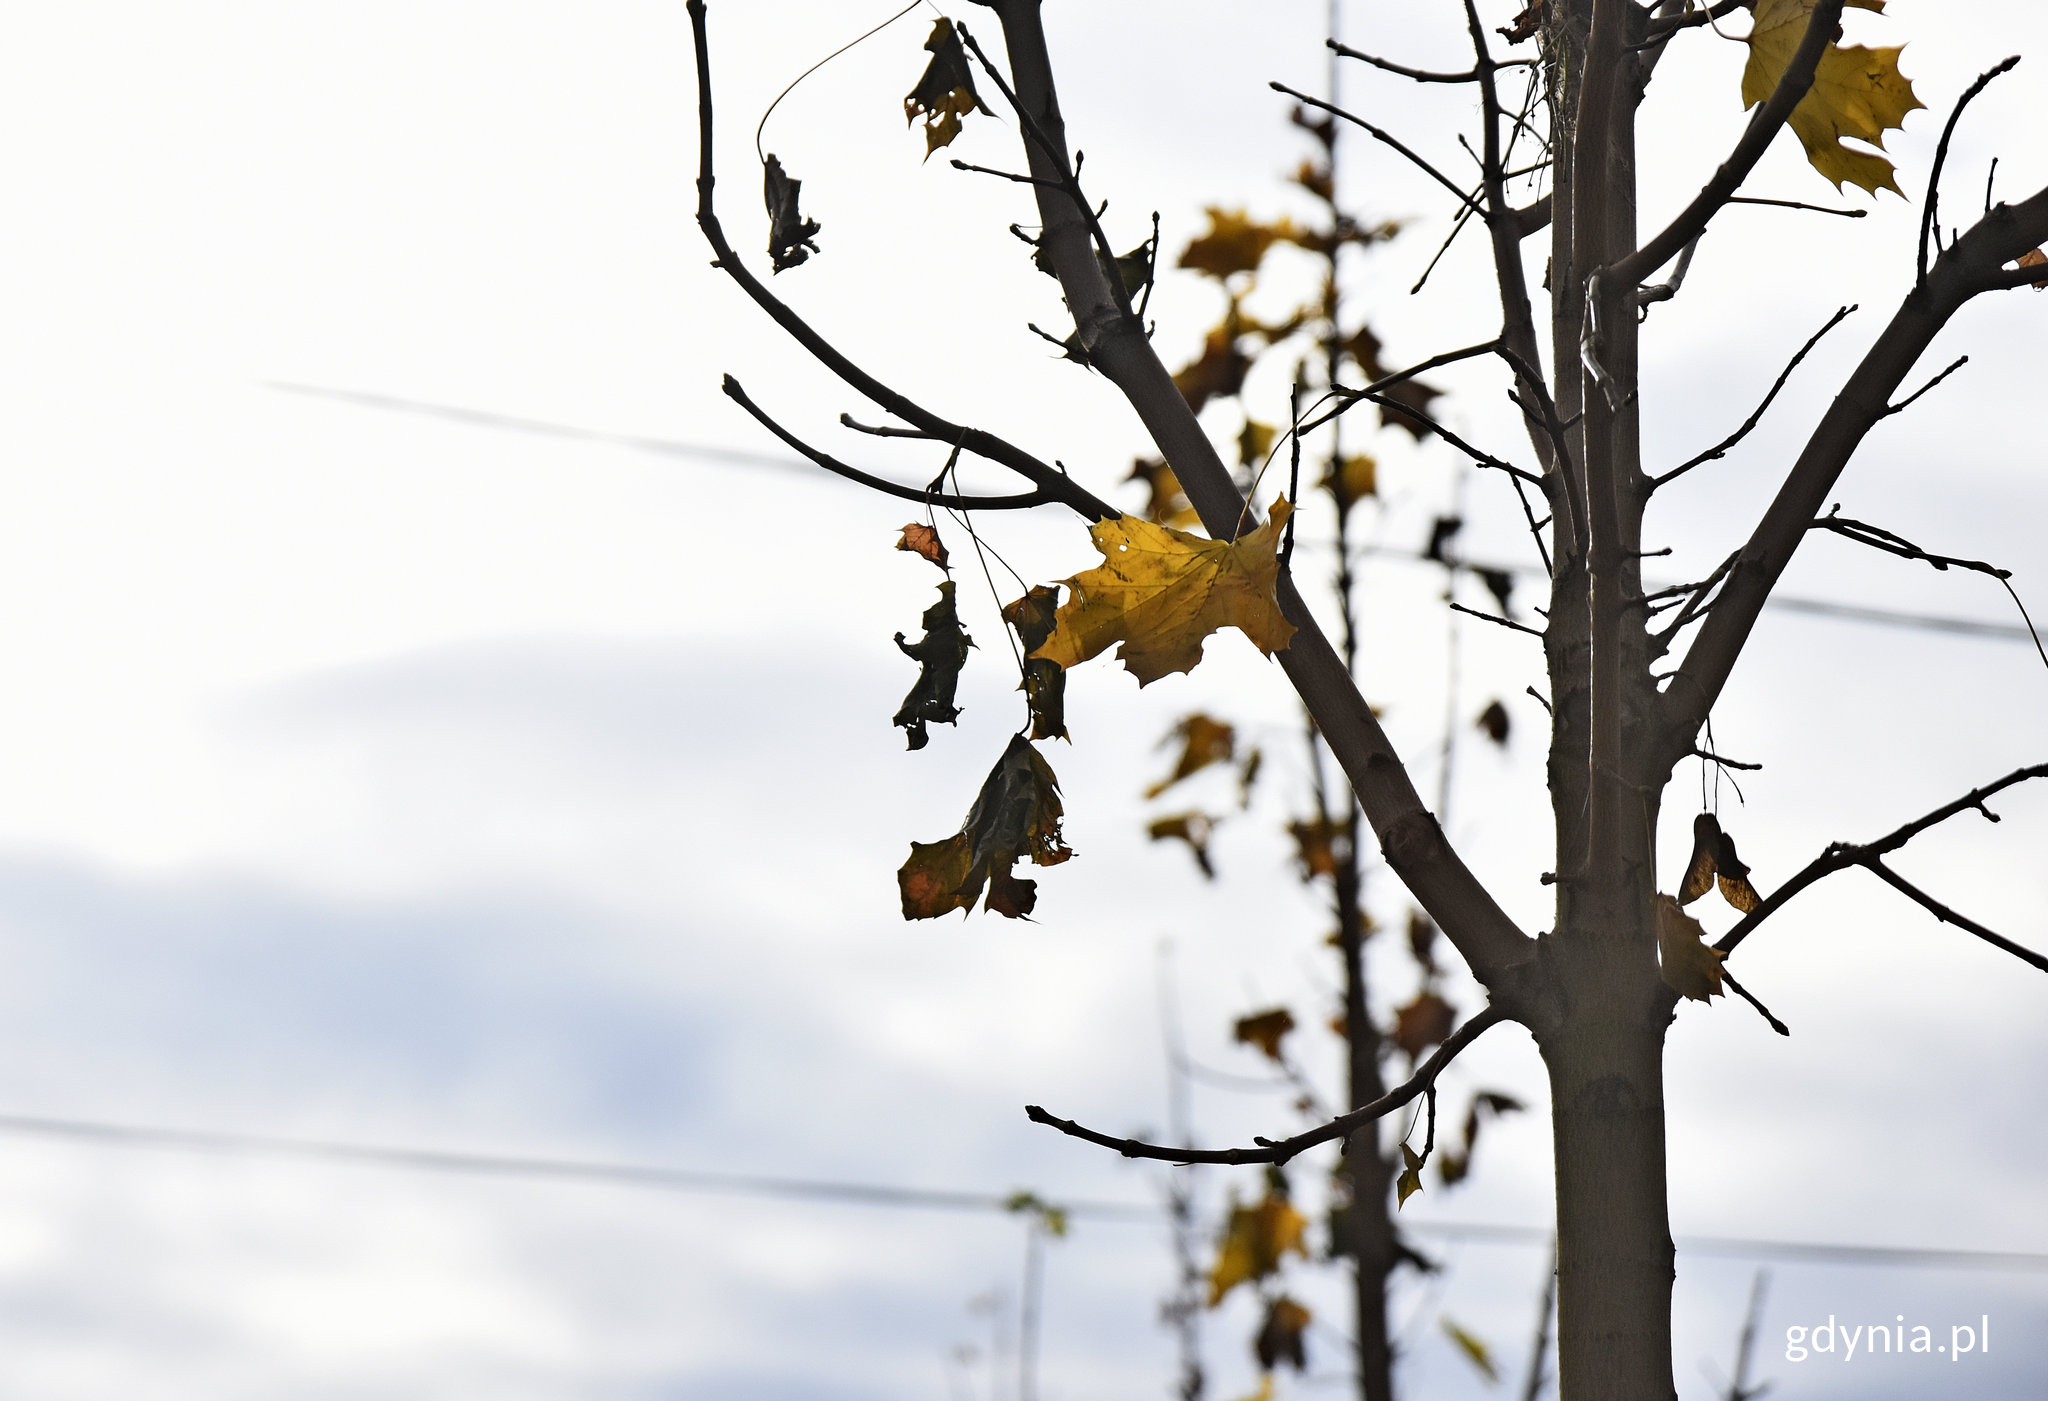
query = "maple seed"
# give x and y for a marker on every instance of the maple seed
(940, 654)
(790, 235)
(945, 93)
(1857, 92)
(1015, 817)
(923, 540)
(1161, 591)
(1713, 857)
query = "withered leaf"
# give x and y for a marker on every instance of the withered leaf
(1315, 846)
(1265, 1030)
(1476, 1352)
(1423, 1023)
(1168, 504)
(924, 541)
(1494, 721)
(1281, 1336)
(1016, 816)
(1453, 1167)
(1190, 827)
(1218, 372)
(1247, 775)
(1525, 25)
(1045, 681)
(1422, 934)
(1355, 478)
(1204, 740)
(1857, 92)
(1689, 964)
(1411, 1176)
(1234, 242)
(940, 654)
(945, 93)
(1254, 441)
(1501, 585)
(1160, 592)
(2034, 258)
(1364, 349)
(1254, 1239)
(790, 235)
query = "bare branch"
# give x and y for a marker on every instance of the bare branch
(1419, 75)
(1839, 856)
(881, 430)
(1386, 139)
(1907, 402)
(1049, 480)
(1723, 760)
(1763, 127)
(1949, 916)
(1879, 538)
(1280, 1151)
(1973, 264)
(1720, 449)
(881, 484)
(1728, 979)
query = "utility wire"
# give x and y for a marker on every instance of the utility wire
(669, 447)
(102, 1134)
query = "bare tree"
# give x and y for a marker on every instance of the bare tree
(1598, 990)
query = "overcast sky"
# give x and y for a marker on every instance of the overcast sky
(373, 776)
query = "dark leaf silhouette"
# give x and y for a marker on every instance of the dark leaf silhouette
(1423, 1023)
(1265, 1030)
(1203, 741)
(1045, 681)
(941, 652)
(1190, 827)
(1494, 721)
(1282, 1336)
(790, 235)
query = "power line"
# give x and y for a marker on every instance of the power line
(102, 1134)
(669, 447)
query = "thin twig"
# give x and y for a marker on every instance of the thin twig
(1840, 856)
(1746, 995)
(882, 430)
(1799, 204)
(1495, 618)
(1280, 1151)
(1722, 760)
(1720, 449)
(1009, 175)
(881, 484)
(1930, 228)
(1907, 402)
(1386, 139)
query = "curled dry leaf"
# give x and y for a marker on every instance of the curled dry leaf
(1282, 1336)
(1254, 1239)
(1045, 682)
(1423, 1023)
(1354, 479)
(1190, 827)
(2034, 258)
(1688, 963)
(940, 654)
(1266, 1030)
(945, 93)
(1161, 591)
(1422, 934)
(1219, 371)
(1203, 741)
(1016, 816)
(1364, 349)
(790, 235)
(924, 541)
(1857, 92)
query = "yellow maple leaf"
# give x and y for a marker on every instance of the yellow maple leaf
(1688, 963)
(1857, 92)
(1161, 591)
(1253, 1242)
(1235, 242)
